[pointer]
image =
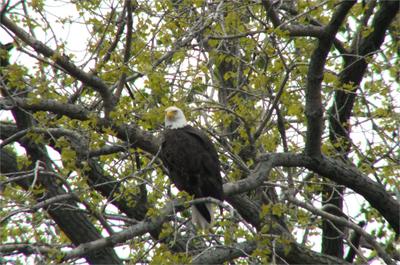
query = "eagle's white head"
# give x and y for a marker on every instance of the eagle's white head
(174, 118)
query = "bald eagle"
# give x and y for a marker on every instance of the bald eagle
(193, 164)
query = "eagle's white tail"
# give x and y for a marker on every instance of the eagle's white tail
(198, 219)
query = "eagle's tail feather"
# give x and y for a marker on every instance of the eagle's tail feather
(202, 215)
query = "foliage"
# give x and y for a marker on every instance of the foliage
(299, 97)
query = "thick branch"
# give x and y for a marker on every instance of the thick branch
(314, 109)
(26, 249)
(54, 106)
(294, 30)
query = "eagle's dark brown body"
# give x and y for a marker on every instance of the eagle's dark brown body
(193, 164)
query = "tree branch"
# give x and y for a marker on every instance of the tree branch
(294, 30)
(70, 110)
(26, 249)
(314, 108)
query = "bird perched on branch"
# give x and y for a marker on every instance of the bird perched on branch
(193, 164)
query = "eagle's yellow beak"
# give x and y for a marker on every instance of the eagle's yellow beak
(170, 114)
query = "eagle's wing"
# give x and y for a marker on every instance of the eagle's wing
(212, 181)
